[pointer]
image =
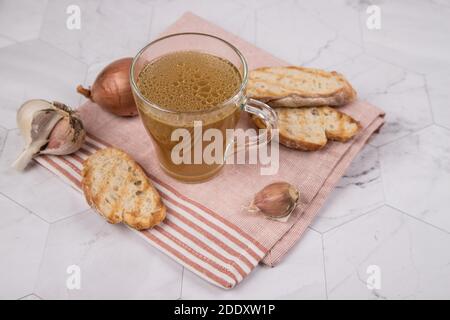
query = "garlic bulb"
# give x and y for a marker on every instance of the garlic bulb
(275, 200)
(48, 128)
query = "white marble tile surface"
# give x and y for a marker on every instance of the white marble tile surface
(362, 183)
(412, 258)
(231, 15)
(21, 20)
(9, 108)
(341, 15)
(3, 134)
(413, 34)
(420, 183)
(22, 242)
(36, 70)
(300, 276)
(108, 29)
(390, 209)
(395, 90)
(6, 41)
(37, 189)
(323, 47)
(438, 89)
(114, 263)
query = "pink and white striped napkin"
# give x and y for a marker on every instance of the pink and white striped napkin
(206, 229)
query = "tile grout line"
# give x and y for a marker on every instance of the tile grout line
(71, 216)
(406, 69)
(23, 207)
(67, 54)
(14, 41)
(402, 137)
(441, 126)
(361, 33)
(2, 147)
(30, 294)
(324, 267)
(38, 216)
(377, 150)
(150, 27)
(417, 219)
(38, 296)
(42, 20)
(427, 91)
(41, 262)
(375, 206)
(22, 297)
(363, 212)
(181, 287)
(314, 229)
(356, 218)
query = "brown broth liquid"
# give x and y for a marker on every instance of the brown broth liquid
(186, 82)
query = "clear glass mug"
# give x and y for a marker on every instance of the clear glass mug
(160, 123)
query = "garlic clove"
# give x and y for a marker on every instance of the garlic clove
(42, 125)
(25, 116)
(58, 135)
(66, 137)
(276, 200)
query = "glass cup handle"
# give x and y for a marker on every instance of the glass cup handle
(267, 115)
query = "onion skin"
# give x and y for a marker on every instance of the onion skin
(112, 90)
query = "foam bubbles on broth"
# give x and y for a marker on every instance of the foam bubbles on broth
(188, 81)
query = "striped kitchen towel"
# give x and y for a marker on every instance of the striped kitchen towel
(206, 229)
(193, 235)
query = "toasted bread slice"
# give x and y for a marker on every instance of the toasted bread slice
(299, 87)
(118, 189)
(309, 129)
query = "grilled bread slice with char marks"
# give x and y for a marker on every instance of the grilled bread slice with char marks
(295, 87)
(119, 190)
(309, 129)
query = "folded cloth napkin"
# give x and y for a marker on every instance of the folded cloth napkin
(206, 228)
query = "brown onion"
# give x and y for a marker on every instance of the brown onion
(112, 90)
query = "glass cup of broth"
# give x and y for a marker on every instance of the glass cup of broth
(186, 80)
